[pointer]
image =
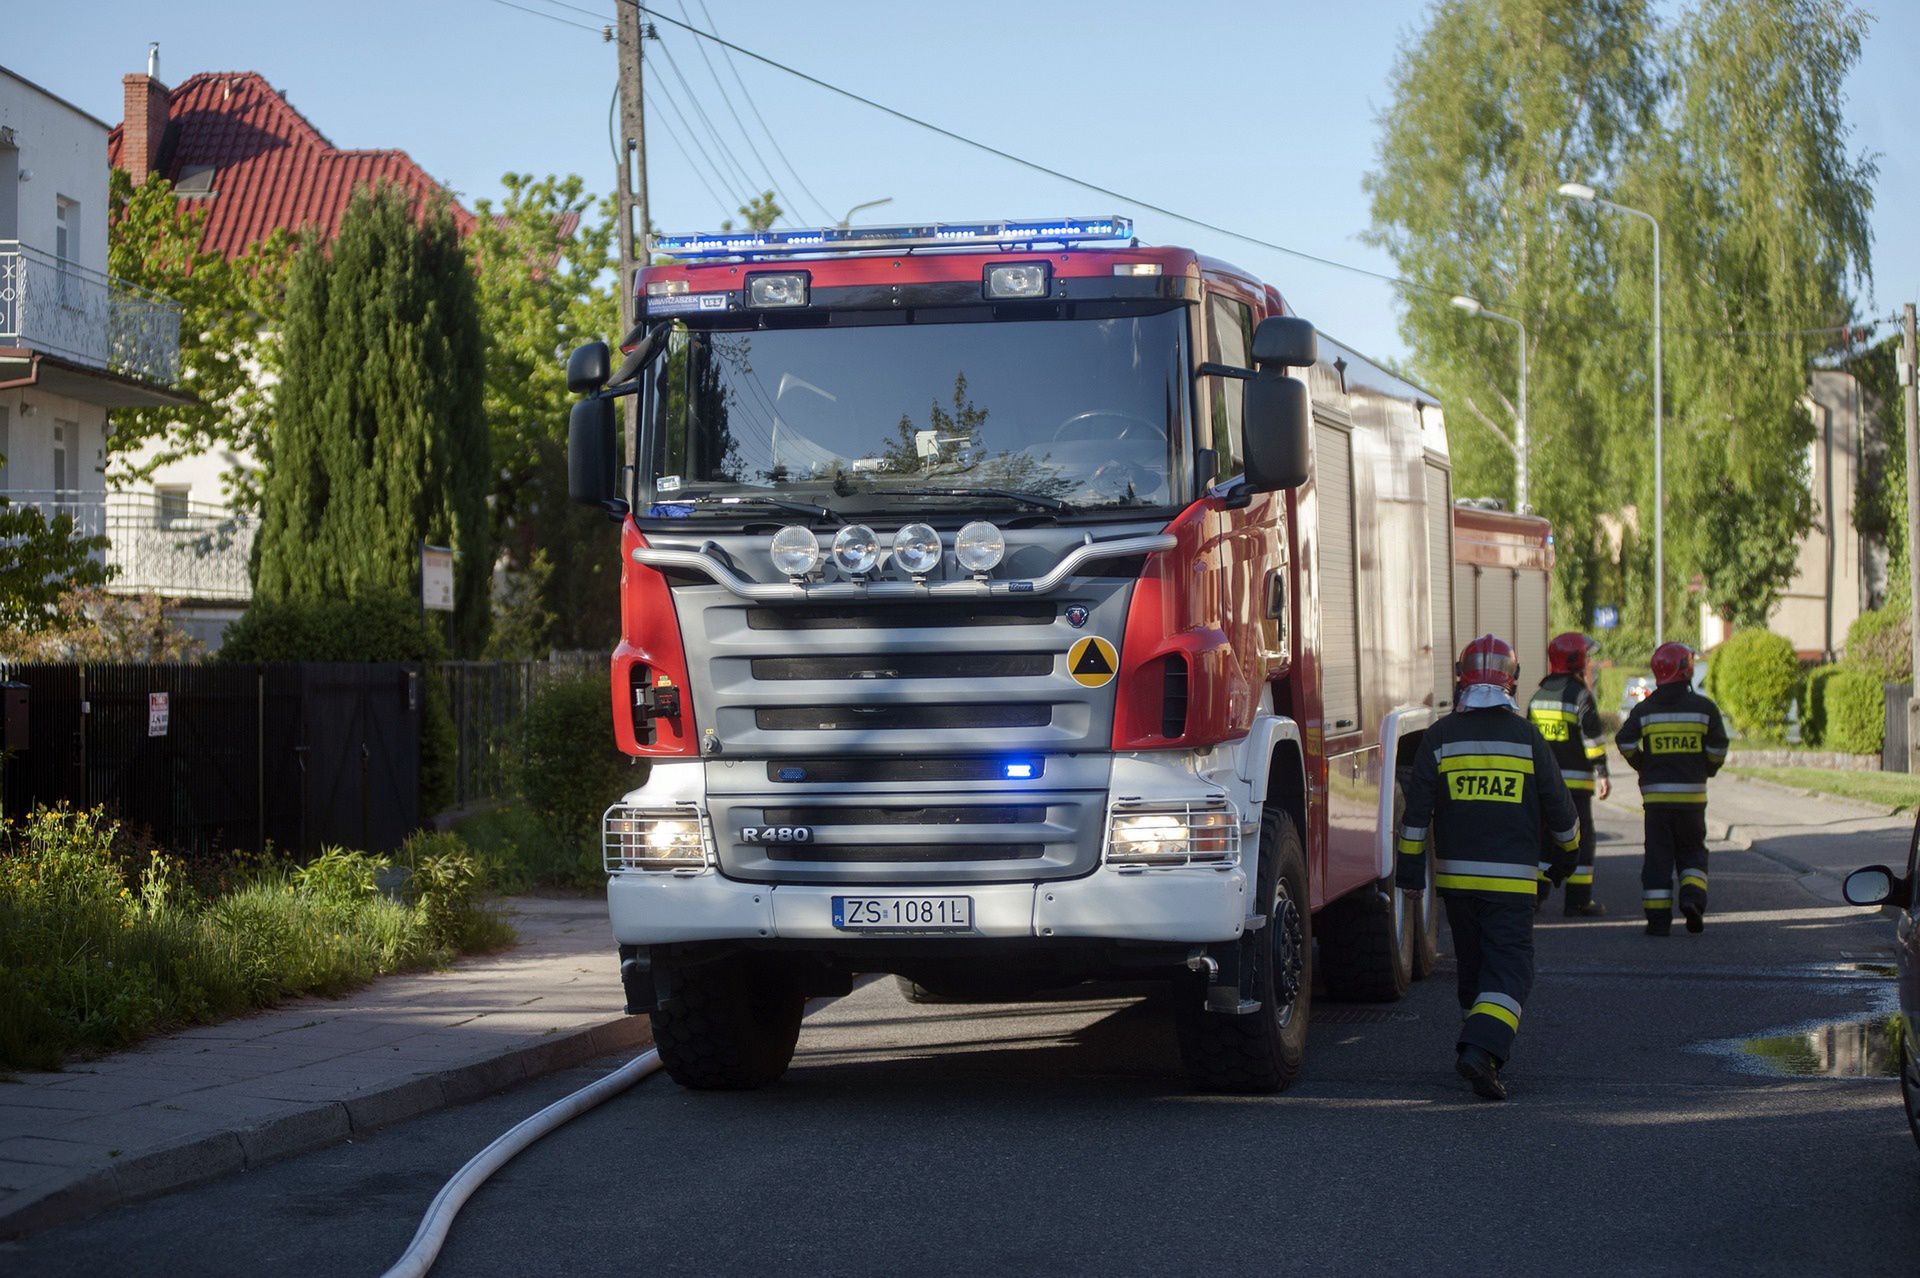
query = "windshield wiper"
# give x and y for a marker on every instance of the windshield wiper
(1038, 501)
(810, 509)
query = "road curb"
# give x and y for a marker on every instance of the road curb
(1858, 807)
(162, 1169)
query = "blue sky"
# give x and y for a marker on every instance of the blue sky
(1257, 116)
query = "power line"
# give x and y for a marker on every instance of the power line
(693, 101)
(719, 174)
(674, 138)
(727, 55)
(727, 98)
(554, 17)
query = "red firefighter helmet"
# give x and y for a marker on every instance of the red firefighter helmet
(1567, 653)
(1672, 663)
(1488, 659)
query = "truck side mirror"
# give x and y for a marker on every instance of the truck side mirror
(1285, 341)
(591, 450)
(588, 368)
(1274, 434)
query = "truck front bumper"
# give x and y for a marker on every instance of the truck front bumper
(1195, 905)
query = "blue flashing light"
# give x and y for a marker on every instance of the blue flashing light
(1019, 771)
(783, 243)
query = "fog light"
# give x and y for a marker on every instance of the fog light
(1202, 833)
(1028, 280)
(856, 550)
(1149, 836)
(795, 550)
(979, 547)
(768, 291)
(669, 840)
(917, 549)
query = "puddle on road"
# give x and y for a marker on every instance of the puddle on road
(1866, 1047)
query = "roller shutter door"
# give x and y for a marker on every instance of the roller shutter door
(1339, 629)
(1493, 611)
(1530, 624)
(1440, 575)
(1464, 610)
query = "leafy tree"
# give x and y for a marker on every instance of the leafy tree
(91, 625)
(229, 346)
(545, 283)
(41, 560)
(1725, 124)
(380, 442)
(759, 213)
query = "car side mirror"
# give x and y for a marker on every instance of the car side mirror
(1274, 434)
(1285, 341)
(1875, 885)
(591, 440)
(588, 368)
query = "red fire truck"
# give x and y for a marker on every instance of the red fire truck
(1005, 605)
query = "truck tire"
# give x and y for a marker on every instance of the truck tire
(1262, 1051)
(1369, 942)
(730, 1026)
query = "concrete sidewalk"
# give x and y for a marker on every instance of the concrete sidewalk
(204, 1102)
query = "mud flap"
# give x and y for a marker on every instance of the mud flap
(1230, 986)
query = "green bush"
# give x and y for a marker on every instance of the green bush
(567, 769)
(378, 627)
(92, 957)
(1879, 641)
(1753, 676)
(1853, 713)
(1813, 704)
(518, 853)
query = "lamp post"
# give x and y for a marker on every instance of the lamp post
(1587, 195)
(870, 204)
(1473, 307)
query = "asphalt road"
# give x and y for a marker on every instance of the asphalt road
(1057, 1137)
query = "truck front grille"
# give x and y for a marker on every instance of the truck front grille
(905, 853)
(921, 665)
(856, 717)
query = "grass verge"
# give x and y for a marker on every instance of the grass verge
(99, 948)
(1886, 789)
(519, 852)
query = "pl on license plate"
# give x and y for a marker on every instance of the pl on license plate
(903, 913)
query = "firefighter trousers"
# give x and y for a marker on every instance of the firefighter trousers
(1579, 885)
(1676, 844)
(1493, 944)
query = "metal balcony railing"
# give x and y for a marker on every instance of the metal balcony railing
(64, 309)
(158, 544)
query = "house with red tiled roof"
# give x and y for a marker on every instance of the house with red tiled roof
(230, 142)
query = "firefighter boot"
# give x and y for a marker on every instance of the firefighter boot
(1482, 1071)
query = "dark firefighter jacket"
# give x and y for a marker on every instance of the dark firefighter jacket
(1675, 741)
(1486, 785)
(1564, 712)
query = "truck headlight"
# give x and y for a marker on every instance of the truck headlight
(1206, 832)
(637, 839)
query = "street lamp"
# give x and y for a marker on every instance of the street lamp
(870, 204)
(1587, 195)
(1473, 307)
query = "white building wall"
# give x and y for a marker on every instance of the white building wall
(65, 151)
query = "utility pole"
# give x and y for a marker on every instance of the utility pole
(633, 186)
(1910, 393)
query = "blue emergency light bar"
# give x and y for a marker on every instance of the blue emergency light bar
(1064, 230)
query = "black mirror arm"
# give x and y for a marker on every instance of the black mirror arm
(617, 508)
(1211, 369)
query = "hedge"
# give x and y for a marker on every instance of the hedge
(1753, 676)
(1845, 710)
(376, 627)
(1879, 641)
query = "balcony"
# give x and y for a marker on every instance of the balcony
(62, 309)
(158, 544)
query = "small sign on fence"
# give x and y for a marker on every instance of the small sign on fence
(158, 713)
(436, 578)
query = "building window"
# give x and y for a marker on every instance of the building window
(65, 435)
(66, 247)
(194, 179)
(171, 509)
(6, 445)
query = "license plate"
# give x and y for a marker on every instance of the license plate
(903, 913)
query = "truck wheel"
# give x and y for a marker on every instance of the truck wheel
(1426, 938)
(731, 1025)
(1262, 1051)
(1369, 943)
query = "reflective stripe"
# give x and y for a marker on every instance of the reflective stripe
(1418, 833)
(1674, 716)
(1580, 876)
(1695, 877)
(1512, 749)
(1628, 745)
(1650, 904)
(1716, 752)
(1580, 785)
(1412, 847)
(1553, 713)
(1596, 750)
(1470, 883)
(1485, 762)
(1656, 894)
(1700, 798)
(1570, 775)
(1487, 869)
(1485, 1006)
(1673, 787)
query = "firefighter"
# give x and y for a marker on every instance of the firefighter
(1675, 740)
(1563, 710)
(1484, 781)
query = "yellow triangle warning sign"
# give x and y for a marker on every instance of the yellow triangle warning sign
(1092, 662)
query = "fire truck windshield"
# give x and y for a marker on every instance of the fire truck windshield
(1075, 415)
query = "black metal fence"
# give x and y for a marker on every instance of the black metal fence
(225, 756)
(487, 700)
(1893, 751)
